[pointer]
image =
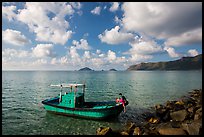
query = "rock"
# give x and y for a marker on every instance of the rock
(161, 112)
(180, 102)
(198, 114)
(192, 127)
(153, 132)
(130, 128)
(166, 117)
(190, 109)
(163, 125)
(178, 115)
(103, 131)
(153, 120)
(176, 124)
(171, 131)
(158, 106)
(170, 105)
(137, 131)
(124, 133)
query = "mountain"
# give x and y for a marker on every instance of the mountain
(85, 69)
(112, 70)
(185, 63)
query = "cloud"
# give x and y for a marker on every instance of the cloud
(48, 23)
(39, 62)
(162, 19)
(172, 53)
(145, 46)
(76, 5)
(82, 44)
(98, 51)
(14, 37)
(193, 52)
(111, 55)
(12, 53)
(87, 55)
(142, 49)
(9, 12)
(114, 6)
(115, 36)
(43, 50)
(117, 20)
(96, 10)
(187, 38)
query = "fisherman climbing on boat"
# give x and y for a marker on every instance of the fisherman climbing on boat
(123, 100)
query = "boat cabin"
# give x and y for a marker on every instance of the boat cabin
(73, 97)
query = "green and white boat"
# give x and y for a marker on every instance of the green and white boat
(72, 103)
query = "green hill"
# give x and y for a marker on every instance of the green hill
(185, 63)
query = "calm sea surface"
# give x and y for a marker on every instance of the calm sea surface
(23, 91)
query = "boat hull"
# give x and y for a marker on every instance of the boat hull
(99, 112)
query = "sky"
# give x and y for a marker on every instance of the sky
(98, 35)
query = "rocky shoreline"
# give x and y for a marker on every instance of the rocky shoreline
(180, 117)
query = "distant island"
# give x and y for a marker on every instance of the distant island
(85, 69)
(112, 70)
(185, 63)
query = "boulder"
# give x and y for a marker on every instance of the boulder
(124, 133)
(170, 105)
(153, 120)
(137, 131)
(179, 115)
(198, 114)
(166, 117)
(158, 106)
(130, 128)
(161, 112)
(103, 131)
(171, 131)
(192, 127)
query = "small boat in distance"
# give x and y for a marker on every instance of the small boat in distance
(72, 103)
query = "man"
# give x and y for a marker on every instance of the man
(124, 101)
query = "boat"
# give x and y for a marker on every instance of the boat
(72, 103)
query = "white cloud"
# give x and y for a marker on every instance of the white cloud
(39, 62)
(139, 58)
(111, 55)
(96, 10)
(14, 37)
(76, 5)
(43, 50)
(187, 38)
(82, 44)
(193, 52)
(171, 51)
(117, 20)
(145, 46)
(48, 23)
(64, 60)
(73, 52)
(115, 36)
(143, 49)
(87, 55)
(98, 51)
(162, 19)
(12, 53)
(53, 61)
(114, 6)
(9, 12)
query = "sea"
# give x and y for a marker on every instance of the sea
(24, 114)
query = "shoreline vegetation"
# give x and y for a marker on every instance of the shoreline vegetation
(179, 117)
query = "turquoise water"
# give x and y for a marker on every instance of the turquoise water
(23, 91)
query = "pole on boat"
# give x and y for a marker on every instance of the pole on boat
(75, 95)
(60, 93)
